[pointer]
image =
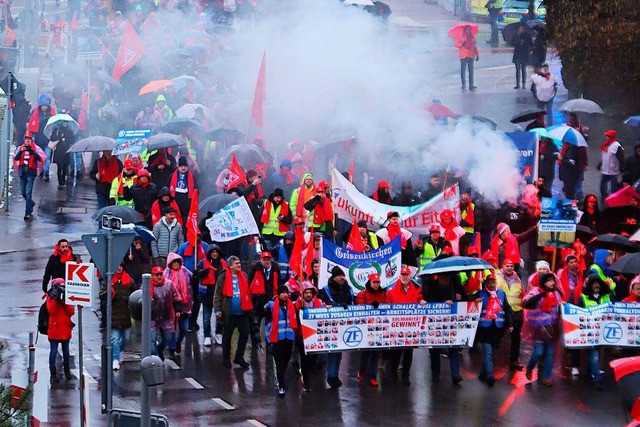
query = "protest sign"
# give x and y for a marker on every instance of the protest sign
(349, 203)
(361, 327)
(232, 221)
(603, 325)
(131, 141)
(526, 148)
(557, 226)
(386, 261)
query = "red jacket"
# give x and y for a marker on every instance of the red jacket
(397, 295)
(60, 325)
(563, 277)
(368, 296)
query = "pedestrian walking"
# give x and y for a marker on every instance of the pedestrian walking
(127, 178)
(168, 237)
(38, 120)
(276, 218)
(509, 282)
(104, 170)
(468, 51)
(264, 281)
(180, 276)
(611, 164)
(62, 138)
(55, 269)
(166, 306)
(208, 271)
(182, 187)
(143, 193)
(190, 254)
(280, 329)
(60, 328)
(308, 299)
(29, 158)
(122, 285)
(546, 87)
(372, 295)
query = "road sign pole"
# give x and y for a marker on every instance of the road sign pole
(145, 406)
(109, 347)
(83, 410)
(31, 373)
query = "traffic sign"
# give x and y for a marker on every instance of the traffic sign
(96, 244)
(78, 284)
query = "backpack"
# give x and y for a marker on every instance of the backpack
(43, 319)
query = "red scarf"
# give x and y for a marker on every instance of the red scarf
(323, 212)
(121, 179)
(395, 231)
(108, 169)
(154, 283)
(245, 293)
(174, 182)
(259, 282)
(188, 251)
(304, 195)
(210, 278)
(31, 159)
(549, 301)
(275, 315)
(546, 75)
(470, 218)
(123, 278)
(566, 288)
(605, 145)
(632, 299)
(64, 258)
(288, 176)
(253, 196)
(449, 234)
(156, 214)
(494, 306)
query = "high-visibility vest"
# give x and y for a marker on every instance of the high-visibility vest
(514, 292)
(463, 215)
(373, 239)
(429, 252)
(609, 281)
(273, 226)
(484, 322)
(586, 302)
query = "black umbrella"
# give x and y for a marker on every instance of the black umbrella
(105, 78)
(128, 215)
(224, 135)
(628, 264)
(214, 203)
(164, 140)
(177, 125)
(379, 9)
(512, 29)
(620, 219)
(527, 115)
(585, 233)
(614, 242)
(93, 144)
(248, 155)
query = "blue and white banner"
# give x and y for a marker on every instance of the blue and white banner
(603, 325)
(362, 327)
(358, 265)
(232, 221)
(557, 225)
(131, 141)
(526, 147)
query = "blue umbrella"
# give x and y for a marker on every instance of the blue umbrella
(567, 134)
(455, 264)
(141, 231)
(633, 121)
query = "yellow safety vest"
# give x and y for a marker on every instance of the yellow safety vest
(429, 252)
(273, 226)
(464, 214)
(514, 293)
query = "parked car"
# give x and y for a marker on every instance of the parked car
(515, 10)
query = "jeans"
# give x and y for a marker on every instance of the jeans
(241, 322)
(493, 17)
(333, 364)
(119, 338)
(468, 63)
(548, 107)
(608, 185)
(544, 349)
(207, 311)
(53, 353)
(521, 74)
(281, 355)
(487, 361)
(593, 364)
(47, 163)
(183, 328)
(75, 159)
(579, 192)
(165, 338)
(369, 364)
(26, 189)
(454, 361)
(103, 200)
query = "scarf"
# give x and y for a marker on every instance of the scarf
(284, 211)
(380, 196)
(121, 180)
(123, 278)
(188, 251)
(28, 158)
(245, 294)
(174, 183)
(323, 212)
(259, 283)
(157, 211)
(546, 75)
(304, 195)
(155, 283)
(275, 315)
(256, 194)
(288, 176)
(605, 145)
(64, 258)
(549, 301)
(395, 231)
(494, 305)
(449, 234)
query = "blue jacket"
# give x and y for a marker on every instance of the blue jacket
(285, 332)
(188, 261)
(500, 320)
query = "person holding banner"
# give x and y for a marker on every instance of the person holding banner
(280, 328)
(427, 248)
(393, 230)
(308, 299)
(264, 280)
(405, 291)
(373, 295)
(509, 282)
(543, 304)
(337, 292)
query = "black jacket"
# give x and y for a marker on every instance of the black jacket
(53, 270)
(433, 292)
(143, 197)
(336, 294)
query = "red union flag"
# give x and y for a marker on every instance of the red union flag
(257, 112)
(130, 52)
(192, 221)
(236, 174)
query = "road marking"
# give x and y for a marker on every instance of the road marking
(172, 364)
(194, 383)
(88, 378)
(225, 405)
(256, 423)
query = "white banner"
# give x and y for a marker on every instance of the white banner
(232, 221)
(349, 203)
(605, 324)
(362, 327)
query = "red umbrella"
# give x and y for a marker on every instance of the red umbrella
(456, 31)
(438, 110)
(154, 85)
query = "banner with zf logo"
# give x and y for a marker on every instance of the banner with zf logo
(603, 325)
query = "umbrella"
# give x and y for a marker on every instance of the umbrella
(358, 3)
(512, 29)
(455, 264)
(105, 78)
(585, 233)
(635, 236)
(59, 119)
(248, 155)
(628, 264)
(93, 143)
(225, 135)
(214, 203)
(581, 105)
(188, 111)
(633, 121)
(621, 219)
(438, 110)
(456, 31)
(543, 133)
(128, 215)
(480, 119)
(164, 140)
(177, 125)
(567, 134)
(624, 197)
(614, 242)
(527, 115)
(141, 231)
(181, 82)
(154, 85)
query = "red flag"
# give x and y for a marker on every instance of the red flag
(351, 171)
(309, 259)
(262, 169)
(9, 34)
(295, 262)
(236, 174)
(355, 240)
(192, 221)
(130, 52)
(260, 93)
(74, 21)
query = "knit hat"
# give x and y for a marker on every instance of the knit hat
(307, 285)
(570, 258)
(362, 223)
(144, 172)
(336, 271)
(278, 192)
(285, 163)
(182, 161)
(545, 278)
(611, 134)
(501, 228)
(282, 289)
(542, 263)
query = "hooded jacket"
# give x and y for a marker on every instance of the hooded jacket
(159, 207)
(60, 324)
(165, 304)
(181, 280)
(370, 295)
(336, 294)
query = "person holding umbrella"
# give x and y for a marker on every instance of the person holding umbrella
(468, 51)
(64, 138)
